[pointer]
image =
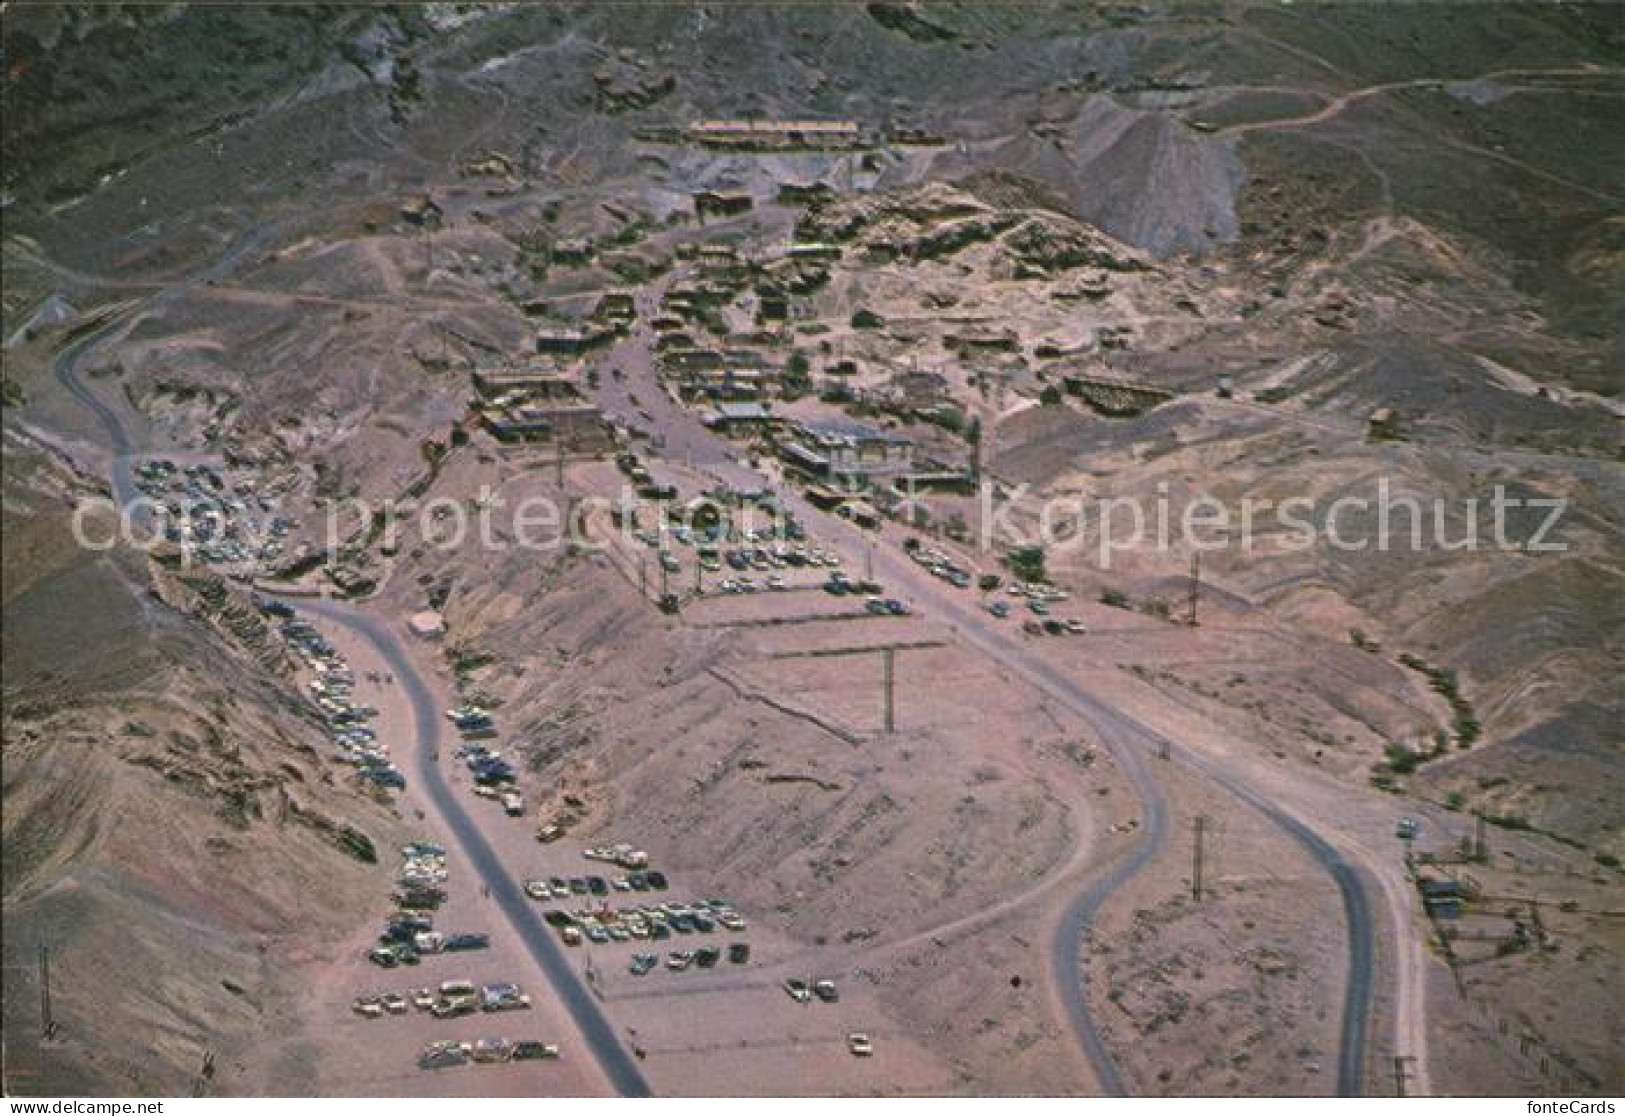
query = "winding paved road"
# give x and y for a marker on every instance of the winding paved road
(1128, 739)
(603, 1043)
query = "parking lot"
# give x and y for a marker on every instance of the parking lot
(228, 518)
(390, 1052)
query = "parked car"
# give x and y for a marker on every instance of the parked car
(503, 997)
(440, 1055)
(797, 990)
(825, 990)
(491, 1050)
(860, 1044)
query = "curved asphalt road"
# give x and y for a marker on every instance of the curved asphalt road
(1126, 737)
(1129, 740)
(67, 374)
(618, 1065)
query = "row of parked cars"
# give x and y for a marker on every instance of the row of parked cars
(494, 777)
(681, 960)
(332, 692)
(451, 999)
(409, 932)
(448, 1053)
(939, 563)
(644, 922)
(779, 556)
(559, 887)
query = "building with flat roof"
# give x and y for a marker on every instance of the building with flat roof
(578, 427)
(741, 418)
(575, 340)
(536, 381)
(775, 134)
(539, 404)
(845, 451)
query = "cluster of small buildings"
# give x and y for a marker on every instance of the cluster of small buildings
(541, 401)
(540, 404)
(733, 368)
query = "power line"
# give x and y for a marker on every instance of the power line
(1195, 588)
(1400, 1073)
(47, 1021)
(1199, 826)
(888, 672)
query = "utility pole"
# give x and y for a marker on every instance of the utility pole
(1199, 825)
(47, 1023)
(1481, 845)
(1400, 1073)
(888, 669)
(643, 575)
(205, 1073)
(1195, 587)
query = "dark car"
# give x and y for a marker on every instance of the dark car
(457, 942)
(558, 918)
(708, 957)
(739, 953)
(638, 881)
(657, 880)
(384, 777)
(597, 885)
(420, 898)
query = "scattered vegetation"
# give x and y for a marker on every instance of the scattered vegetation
(1444, 683)
(1027, 563)
(1363, 641)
